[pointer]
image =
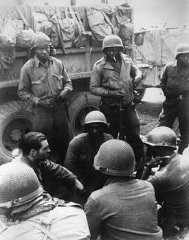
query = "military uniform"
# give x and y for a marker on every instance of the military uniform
(125, 208)
(56, 180)
(108, 81)
(80, 158)
(172, 192)
(37, 82)
(175, 85)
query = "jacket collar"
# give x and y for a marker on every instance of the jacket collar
(108, 65)
(38, 63)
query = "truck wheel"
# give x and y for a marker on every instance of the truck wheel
(80, 105)
(14, 121)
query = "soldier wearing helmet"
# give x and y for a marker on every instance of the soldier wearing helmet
(175, 85)
(125, 208)
(45, 84)
(83, 148)
(170, 181)
(114, 78)
(28, 212)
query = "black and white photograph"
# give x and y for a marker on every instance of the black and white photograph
(94, 120)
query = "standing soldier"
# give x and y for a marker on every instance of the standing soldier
(175, 85)
(114, 77)
(45, 84)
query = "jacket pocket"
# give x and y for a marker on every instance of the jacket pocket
(58, 81)
(38, 88)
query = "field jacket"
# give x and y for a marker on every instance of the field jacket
(123, 210)
(107, 81)
(40, 82)
(51, 175)
(66, 222)
(171, 184)
(175, 81)
(80, 157)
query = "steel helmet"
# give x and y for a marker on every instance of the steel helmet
(182, 48)
(18, 185)
(115, 157)
(112, 41)
(95, 117)
(40, 40)
(161, 137)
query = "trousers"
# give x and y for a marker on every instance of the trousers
(177, 108)
(130, 125)
(54, 124)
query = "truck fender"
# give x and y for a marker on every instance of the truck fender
(80, 105)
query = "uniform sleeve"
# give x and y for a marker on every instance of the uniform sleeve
(71, 159)
(67, 83)
(136, 75)
(95, 82)
(24, 88)
(67, 80)
(157, 184)
(59, 172)
(93, 217)
(163, 81)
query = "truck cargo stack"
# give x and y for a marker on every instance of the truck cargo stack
(77, 34)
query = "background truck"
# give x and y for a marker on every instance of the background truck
(92, 24)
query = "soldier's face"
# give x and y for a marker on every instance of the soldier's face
(113, 54)
(44, 152)
(184, 58)
(95, 130)
(43, 53)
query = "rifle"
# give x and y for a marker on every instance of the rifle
(121, 133)
(68, 117)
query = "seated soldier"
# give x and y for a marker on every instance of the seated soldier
(171, 181)
(55, 179)
(30, 213)
(82, 150)
(125, 208)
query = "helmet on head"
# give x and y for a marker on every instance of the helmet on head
(112, 41)
(181, 49)
(18, 185)
(95, 117)
(161, 137)
(116, 158)
(40, 40)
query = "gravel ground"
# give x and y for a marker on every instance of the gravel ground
(148, 114)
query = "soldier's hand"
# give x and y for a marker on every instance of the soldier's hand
(79, 185)
(62, 95)
(46, 103)
(118, 93)
(155, 162)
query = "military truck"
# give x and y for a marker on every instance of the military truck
(15, 116)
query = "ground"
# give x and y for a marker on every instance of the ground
(149, 110)
(148, 114)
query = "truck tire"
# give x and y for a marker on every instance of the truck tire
(79, 106)
(14, 121)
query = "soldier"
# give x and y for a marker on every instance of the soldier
(55, 179)
(82, 150)
(125, 208)
(175, 85)
(28, 212)
(114, 77)
(171, 181)
(45, 84)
